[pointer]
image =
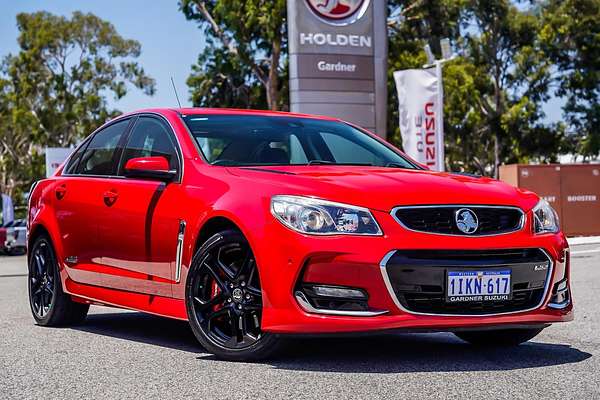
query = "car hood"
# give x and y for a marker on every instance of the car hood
(385, 188)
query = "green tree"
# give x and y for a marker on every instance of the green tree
(53, 92)
(509, 59)
(218, 80)
(571, 36)
(506, 49)
(494, 90)
(246, 48)
(412, 25)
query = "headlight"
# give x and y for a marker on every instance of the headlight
(321, 217)
(545, 219)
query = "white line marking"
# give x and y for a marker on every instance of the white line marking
(586, 251)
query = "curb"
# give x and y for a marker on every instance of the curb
(573, 241)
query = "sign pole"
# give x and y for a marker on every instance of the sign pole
(441, 152)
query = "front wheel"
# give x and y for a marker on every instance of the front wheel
(224, 300)
(500, 337)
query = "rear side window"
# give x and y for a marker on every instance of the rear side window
(73, 163)
(151, 138)
(101, 156)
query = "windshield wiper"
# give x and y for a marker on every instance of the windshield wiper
(324, 162)
(319, 162)
(396, 165)
(227, 163)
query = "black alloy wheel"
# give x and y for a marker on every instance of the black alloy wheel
(224, 299)
(50, 306)
(42, 285)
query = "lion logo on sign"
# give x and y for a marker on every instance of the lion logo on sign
(466, 221)
(335, 9)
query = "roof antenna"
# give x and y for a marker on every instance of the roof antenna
(175, 90)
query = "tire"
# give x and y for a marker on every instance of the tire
(500, 337)
(50, 306)
(224, 300)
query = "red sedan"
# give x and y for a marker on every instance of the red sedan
(255, 226)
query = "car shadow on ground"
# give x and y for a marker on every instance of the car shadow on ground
(143, 328)
(385, 353)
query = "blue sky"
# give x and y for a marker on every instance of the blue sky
(170, 43)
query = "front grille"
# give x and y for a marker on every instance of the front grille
(442, 219)
(418, 279)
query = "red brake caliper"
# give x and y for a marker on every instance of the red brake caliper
(215, 292)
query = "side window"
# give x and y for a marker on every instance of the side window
(71, 167)
(151, 138)
(344, 150)
(101, 156)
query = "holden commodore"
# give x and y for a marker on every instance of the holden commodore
(256, 226)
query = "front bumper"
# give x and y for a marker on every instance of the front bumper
(285, 258)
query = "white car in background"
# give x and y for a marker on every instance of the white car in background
(16, 238)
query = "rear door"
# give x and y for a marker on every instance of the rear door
(141, 227)
(78, 199)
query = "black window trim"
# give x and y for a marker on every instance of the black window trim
(170, 132)
(89, 139)
(82, 146)
(124, 139)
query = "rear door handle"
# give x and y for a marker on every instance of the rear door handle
(61, 191)
(110, 197)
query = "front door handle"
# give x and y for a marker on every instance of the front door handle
(61, 191)
(110, 197)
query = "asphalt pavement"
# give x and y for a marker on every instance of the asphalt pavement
(128, 355)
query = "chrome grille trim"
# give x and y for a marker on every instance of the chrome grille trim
(521, 225)
(390, 289)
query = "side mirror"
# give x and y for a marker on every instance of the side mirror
(150, 168)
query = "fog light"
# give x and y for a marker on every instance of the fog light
(561, 297)
(561, 286)
(335, 291)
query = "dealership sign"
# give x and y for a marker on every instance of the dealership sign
(336, 10)
(420, 101)
(322, 39)
(338, 60)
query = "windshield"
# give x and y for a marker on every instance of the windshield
(251, 140)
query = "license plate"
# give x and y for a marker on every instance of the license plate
(490, 285)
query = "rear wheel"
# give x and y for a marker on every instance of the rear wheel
(50, 306)
(499, 338)
(224, 300)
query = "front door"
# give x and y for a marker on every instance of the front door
(78, 201)
(140, 223)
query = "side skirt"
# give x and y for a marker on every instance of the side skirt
(152, 304)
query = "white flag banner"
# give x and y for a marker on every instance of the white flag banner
(420, 95)
(55, 156)
(8, 211)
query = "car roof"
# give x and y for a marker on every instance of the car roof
(231, 111)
